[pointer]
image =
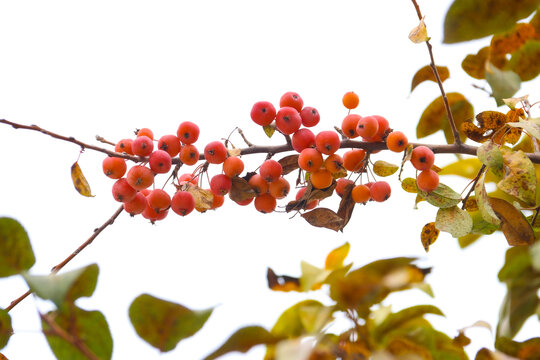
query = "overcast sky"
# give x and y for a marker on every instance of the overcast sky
(107, 67)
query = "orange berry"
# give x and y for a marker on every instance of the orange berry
(353, 160)
(327, 142)
(142, 146)
(158, 200)
(422, 158)
(217, 201)
(397, 141)
(361, 194)
(265, 203)
(350, 100)
(288, 120)
(270, 170)
(188, 132)
(244, 202)
(291, 99)
(145, 132)
(380, 191)
(122, 191)
(182, 203)
(302, 139)
(383, 126)
(367, 126)
(427, 180)
(233, 166)
(321, 179)
(310, 159)
(334, 163)
(187, 177)
(140, 177)
(189, 154)
(153, 215)
(220, 184)
(349, 124)
(137, 205)
(258, 184)
(124, 146)
(170, 144)
(280, 188)
(114, 167)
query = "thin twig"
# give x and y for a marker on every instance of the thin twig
(473, 185)
(451, 120)
(55, 329)
(57, 268)
(244, 137)
(103, 140)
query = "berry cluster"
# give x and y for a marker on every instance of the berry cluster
(317, 156)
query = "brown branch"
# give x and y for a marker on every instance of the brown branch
(473, 185)
(248, 143)
(451, 120)
(105, 141)
(57, 268)
(56, 330)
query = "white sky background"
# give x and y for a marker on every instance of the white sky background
(107, 67)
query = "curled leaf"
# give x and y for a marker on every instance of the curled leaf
(514, 225)
(419, 33)
(79, 181)
(429, 235)
(203, 198)
(426, 74)
(323, 217)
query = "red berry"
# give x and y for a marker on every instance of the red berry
(380, 191)
(140, 177)
(160, 162)
(367, 127)
(265, 203)
(124, 146)
(215, 152)
(270, 170)
(122, 191)
(302, 139)
(170, 144)
(142, 146)
(427, 180)
(310, 205)
(220, 184)
(182, 203)
(263, 113)
(349, 124)
(158, 200)
(189, 154)
(341, 184)
(137, 205)
(422, 158)
(310, 159)
(114, 167)
(288, 120)
(327, 142)
(310, 116)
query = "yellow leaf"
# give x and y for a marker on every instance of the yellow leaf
(203, 198)
(234, 152)
(419, 33)
(428, 235)
(79, 181)
(383, 168)
(434, 117)
(409, 185)
(426, 73)
(335, 258)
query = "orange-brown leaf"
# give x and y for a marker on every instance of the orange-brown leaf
(289, 163)
(241, 190)
(282, 282)
(426, 73)
(429, 234)
(323, 217)
(475, 65)
(79, 181)
(514, 225)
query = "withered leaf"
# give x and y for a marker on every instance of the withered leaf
(325, 218)
(289, 163)
(428, 235)
(475, 65)
(526, 61)
(79, 181)
(514, 225)
(203, 198)
(282, 282)
(419, 33)
(346, 205)
(309, 195)
(520, 176)
(241, 190)
(426, 73)
(510, 41)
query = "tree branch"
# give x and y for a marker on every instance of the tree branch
(58, 267)
(451, 120)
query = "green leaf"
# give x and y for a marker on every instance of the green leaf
(243, 340)
(535, 256)
(469, 239)
(474, 19)
(530, 127)
(395, 320)
(483, 202)
(491, 156)
(526, 61)
(442, 197)
(383, 168)
(163, 324)
(290, 324)
(520, 176)
(269, 130)
(527, 349)
(5, 328)
(88, 328)
(504, 84)
(455, 221)
(16, 253)
(66, 287)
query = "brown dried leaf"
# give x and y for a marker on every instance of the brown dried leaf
(289, 163)
(310, 195)
(323, 217)
(514, 225)
(234, 152)
(346, 206)
(491, 120)
(428, 235)
(203, 198)
(510, 41)
(282, 282)
(426, 73)
(419, 33)
(79, 181)
(241, 190)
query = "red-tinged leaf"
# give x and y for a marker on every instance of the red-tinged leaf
(5, 328)
(79, 181)
(323, 217)
(334, 260)
(243, 340)
(426, 73)
(282, 282)
(514, 225)
(89, 329)
(289, 163)
(474, 19)
(16, 254)
(241, 190)
(163, 324)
